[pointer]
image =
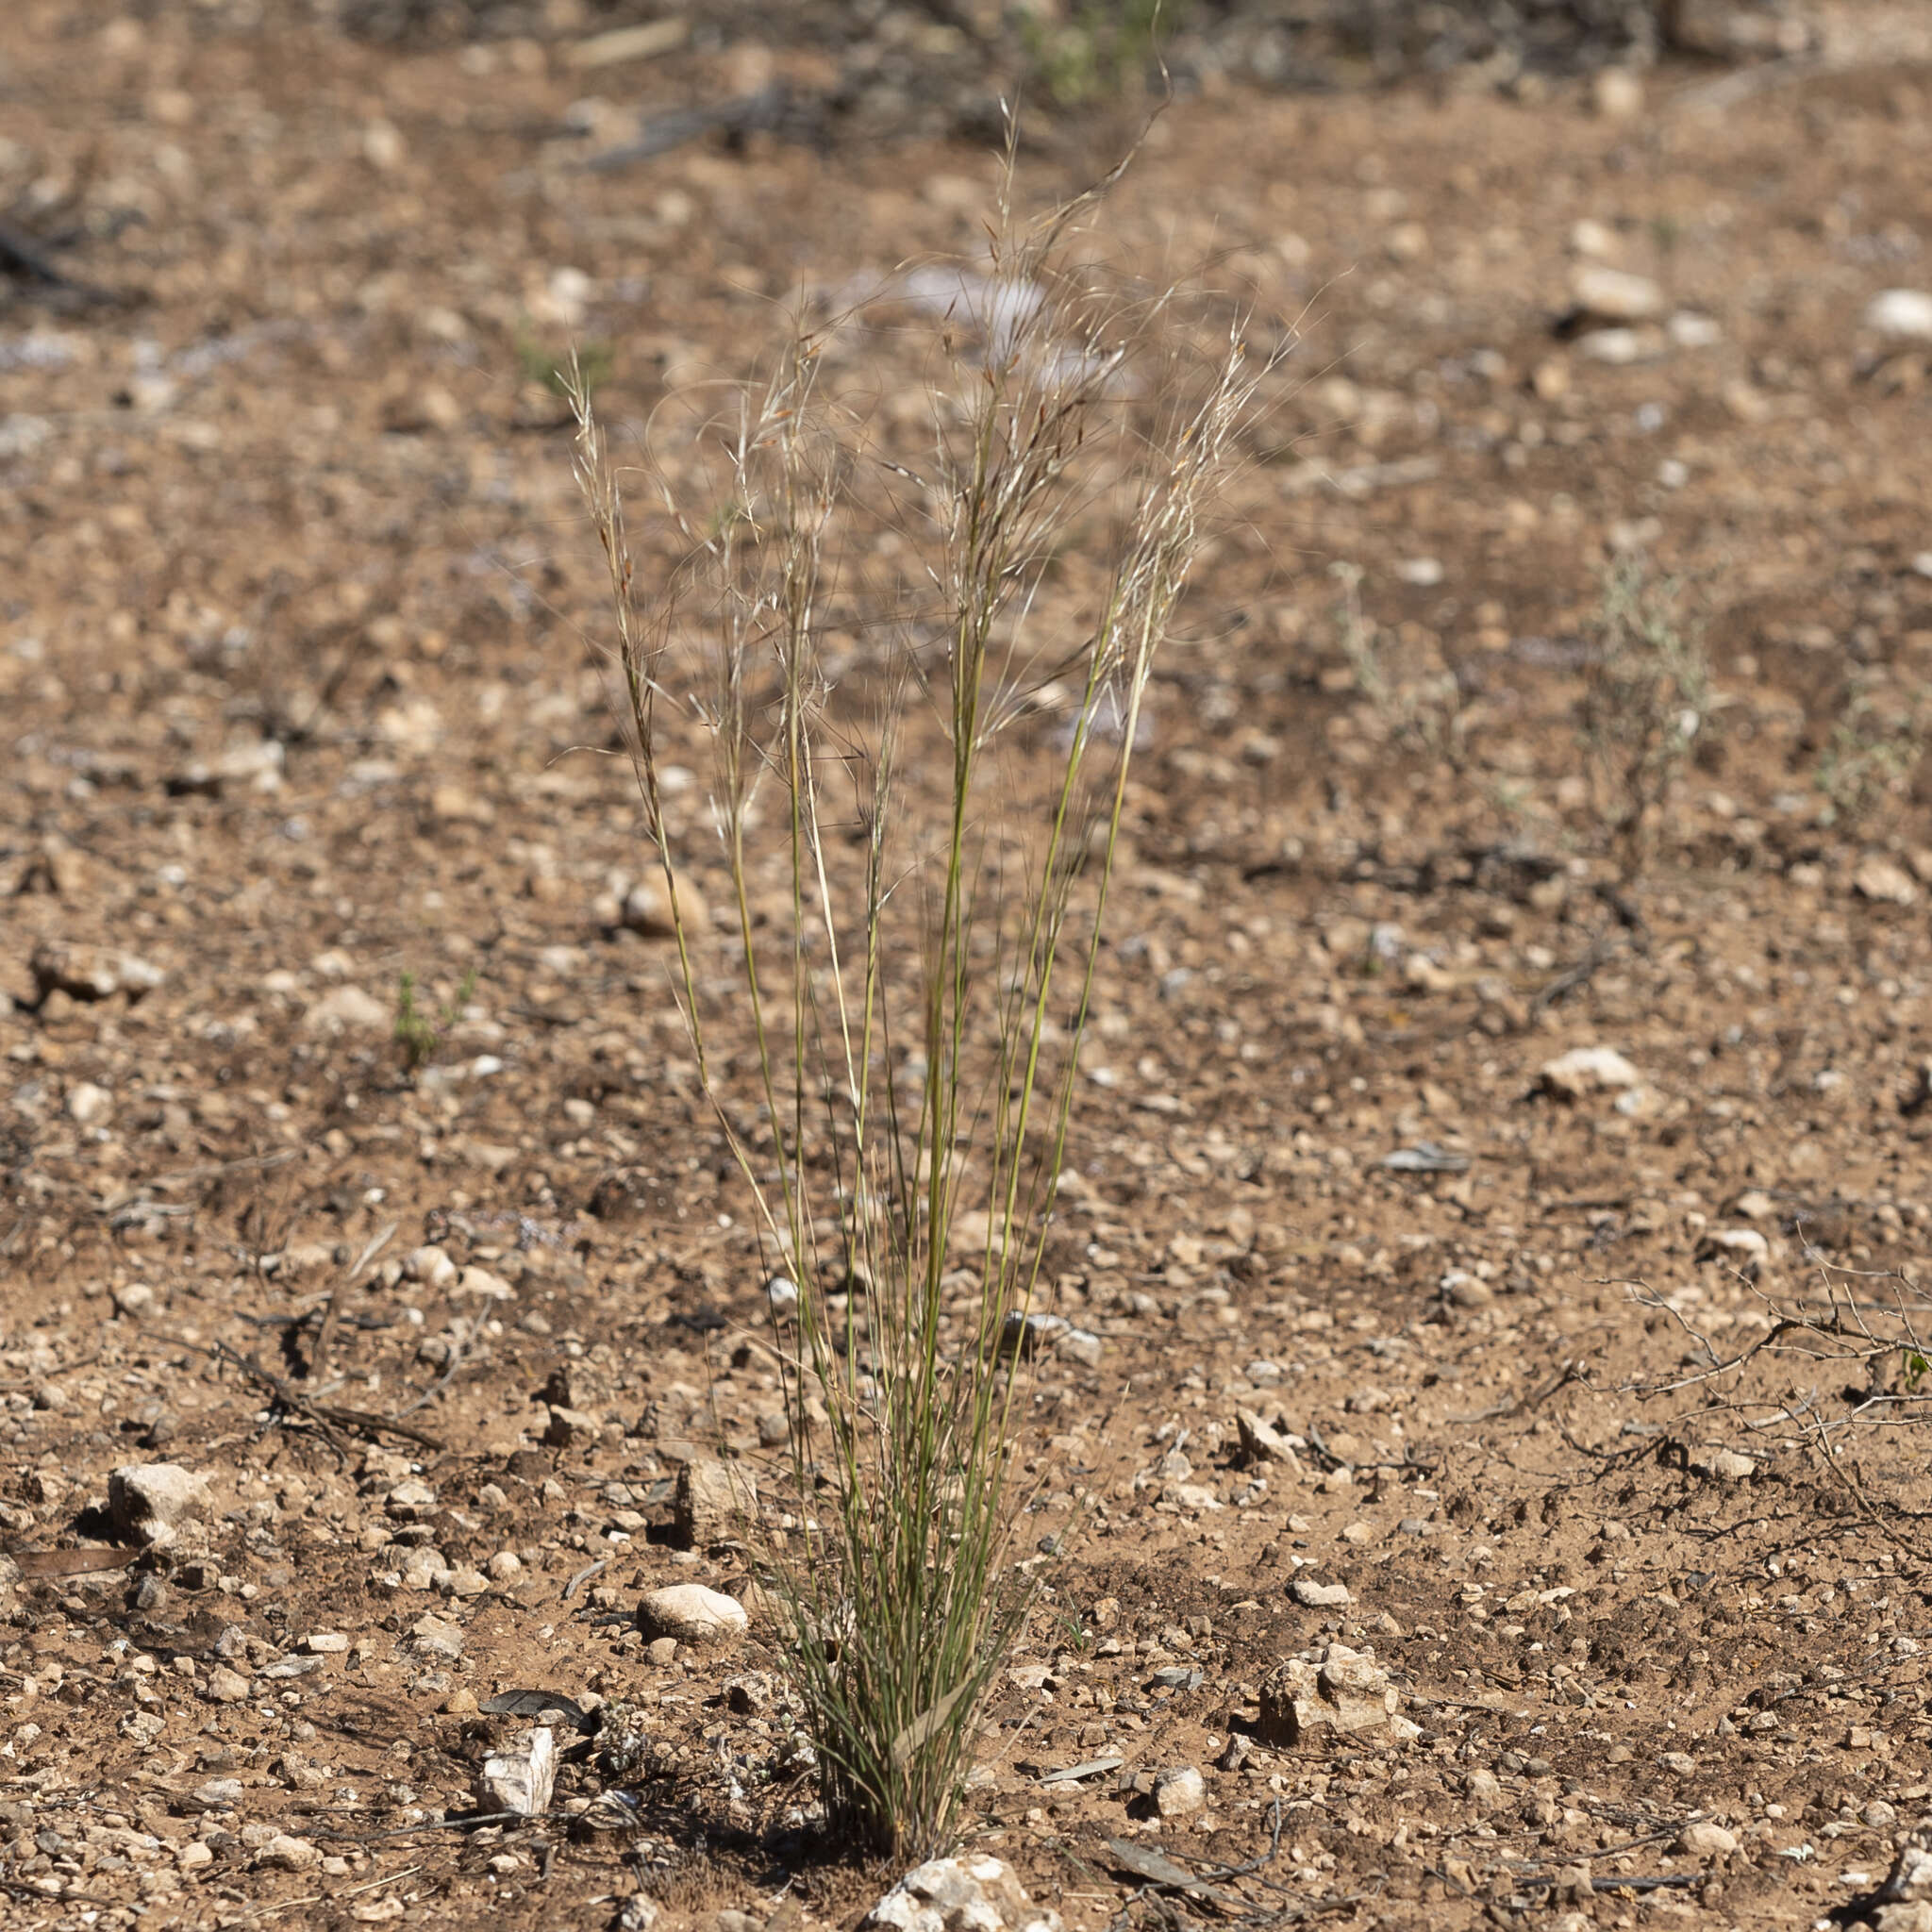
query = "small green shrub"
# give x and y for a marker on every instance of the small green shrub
(1098, 50)
(1871, 758)
(417, 1033)
(1646, 697)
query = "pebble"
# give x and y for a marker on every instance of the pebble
(283, 1852)
(410, 1502)
(1701, 1839)
(974, 1893)
(1484, 1787)
(1587, 1070)
(424, 1568)
(522, 1776)
(150, 1501)
(571, 1425)
(1593, 240)
(1618, 348)
(691, 1614)
(1884, 881)
(91, 973)
(1029, 1336)
(1261, 1442)
(226, 1686)
(1616, 94)
(348, 1009)
(1334, 1689)
(647, 907)
(1742, 1248)
(435, 1636)
(709, 1504)
(1732, 1467)
(1614, 294)
(1905, 314)
(1320, 1596)
(88, 1106)
(1180, 1793)
(430, 1266)
(326, 1643)
(1686, 330)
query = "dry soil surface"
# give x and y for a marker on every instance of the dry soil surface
(297, 701)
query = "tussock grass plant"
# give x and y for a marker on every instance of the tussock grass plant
(913, 924)
(1647, 695)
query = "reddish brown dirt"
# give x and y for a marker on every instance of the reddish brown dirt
(296, 701)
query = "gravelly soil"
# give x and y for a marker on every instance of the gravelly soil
(297, 701)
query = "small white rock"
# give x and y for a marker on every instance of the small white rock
(1617, 94)
(1703, 1839)
(1742, 1248)
(1615, 294)
(88, 1106)
(974, 1893)
(1617, 347)
(1180, 1793)
(1905, 314)
(283, 1852)
(150, 1501)
(1686, 330)
(430, 1266)
(1320, 1596)
(1586, 1070)
(1593, 240)
(348, 1009)
(692, 1614)
(1883, 881)
(522, 1776)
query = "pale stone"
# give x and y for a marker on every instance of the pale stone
(522, 1776)
(283, 1852)
(1319, 1596)
(709, 1504)
(150, 1501)
(1701, 1839)
(1180, 1793)
(1903, 313)
(1615, 294)
(1884, 881)
(1587, 1070)
(974, 1893)
(348, 1009)
(692, 1614)
(1335, 1689)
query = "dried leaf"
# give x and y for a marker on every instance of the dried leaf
(535, 1702)
(922, 1727)
(71, 1562)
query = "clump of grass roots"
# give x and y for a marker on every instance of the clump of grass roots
(911, 936)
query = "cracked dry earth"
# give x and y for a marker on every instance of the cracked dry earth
(296, 702)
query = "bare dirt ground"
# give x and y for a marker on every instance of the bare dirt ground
(296, 701)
